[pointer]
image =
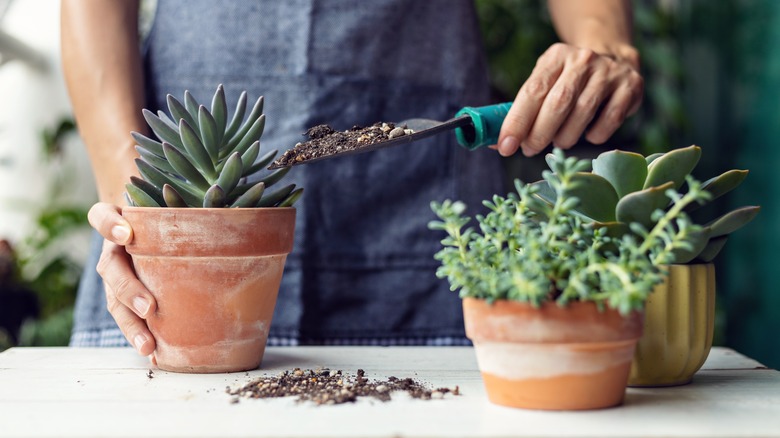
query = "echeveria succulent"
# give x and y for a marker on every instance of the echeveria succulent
(626, 187)
(202, 159)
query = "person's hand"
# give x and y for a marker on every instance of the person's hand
(128, 301)
(572, 90)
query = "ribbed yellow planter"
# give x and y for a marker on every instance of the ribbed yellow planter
(679, 324)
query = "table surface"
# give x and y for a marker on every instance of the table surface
(66, 392)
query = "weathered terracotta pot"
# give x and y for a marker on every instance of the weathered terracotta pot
(679, 325)
(551, 357)
(215, 274)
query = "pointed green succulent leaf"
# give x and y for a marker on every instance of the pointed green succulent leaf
(159, 179)
(639, 206)
(255, 114)
(214, 197)
(544, 191)
(250, 197)
(197, 152)
(652, 157)
(291, 198)
(673, 166)
(253, 135)
(712, 249)
(173, 199)
(249, 157)
(167, 120)
(550, 159)
(720, 185)
(275, 176)
(178, 111)
(219, 110)
(231, 173)
(274, 198)
(238, 116)
(155, 160)
(733, 220)
(598, 198)
(261, 163)
(209, 133)
(191, 104)
(698, 241)
(148, 188)
(162, 130)
(139, 197)
(626, 171)
(147, 143)
(184, 167)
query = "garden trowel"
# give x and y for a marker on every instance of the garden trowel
(474, 127)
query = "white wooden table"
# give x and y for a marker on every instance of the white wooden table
(61, 392)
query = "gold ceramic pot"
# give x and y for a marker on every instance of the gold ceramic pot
(678, 330)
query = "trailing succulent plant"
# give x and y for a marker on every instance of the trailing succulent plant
(527, 249)
(625, 187)
(202, 159)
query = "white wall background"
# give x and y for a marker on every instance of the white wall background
(30, 100)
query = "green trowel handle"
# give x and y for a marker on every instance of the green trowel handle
(486, 123)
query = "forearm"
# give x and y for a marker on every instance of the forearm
(102, 67)
(603, 26)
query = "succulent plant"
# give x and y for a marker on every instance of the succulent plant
(202, 159)
(626, 187)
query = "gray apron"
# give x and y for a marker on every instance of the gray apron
(362, 268)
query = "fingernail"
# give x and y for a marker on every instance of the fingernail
(141, 305)
(139, 340)
(528, 152)
(120, 232)
(509, 146)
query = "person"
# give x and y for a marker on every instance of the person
(362, 268)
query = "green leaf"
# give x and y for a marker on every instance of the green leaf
(162, 130)
(178, 111)
(272, 199)
(250, 197)
(167, 120)
(291, 198)
(231, 173)
(238, 116)
(639, 206)
(159, 179)
(733, 220)
(626, 171)
(673, 166)
(720, 185)
(184, 168)
(148, 188)
(147, 143)
(172, 198)
(139, 197)
(191, 104)
(698, 241)
(257, 111)
(545, 192)
(209, 134)
(598, 198)
(264, 161)
(219, 111)
(712, 249)
(196, 151)
(253, 135)
(155, 160)
(214, 197)
(652, 157)
(275, 176)
(249, 157)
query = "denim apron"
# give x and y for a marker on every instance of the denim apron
(362, 267)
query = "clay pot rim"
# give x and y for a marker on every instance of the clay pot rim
(226, 210)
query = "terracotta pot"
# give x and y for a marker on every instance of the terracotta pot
(679, 325)
(551, 357)
(215, 274)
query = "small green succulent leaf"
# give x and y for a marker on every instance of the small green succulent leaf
(178, 111)
(197, 152)
(719, 185)
(219, 109)
(275, 176)
(238, 116)
(733, 220)
(231, 173)
(253, 135)
(712, 249)
(155, 160)
(149, 189)
(209, 133)
(159, 179)
(274, 198)
(250, 197)
(255, 114)
(544, 191)
(167, 120)
(550, 159)
(639, 206)
(598, 199)
(249, 157)
(615, 231)
(191, 104)
(172, 198)
(139, 197)
(214, 197)
(147, 143)
(698, 241)
(626, 171)
(652, 157)
(184, 167)
(161, 129)
(261, 163)
(292, 198)
(673, 166)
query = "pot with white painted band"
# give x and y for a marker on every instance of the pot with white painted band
(550, 357)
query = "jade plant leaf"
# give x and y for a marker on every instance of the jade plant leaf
(698, 241)
(598, 198)
(639, 206)
(720, 185)
(652, 157)
(712, 249)
(733, 220)
(673, 166)
(626, 171)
